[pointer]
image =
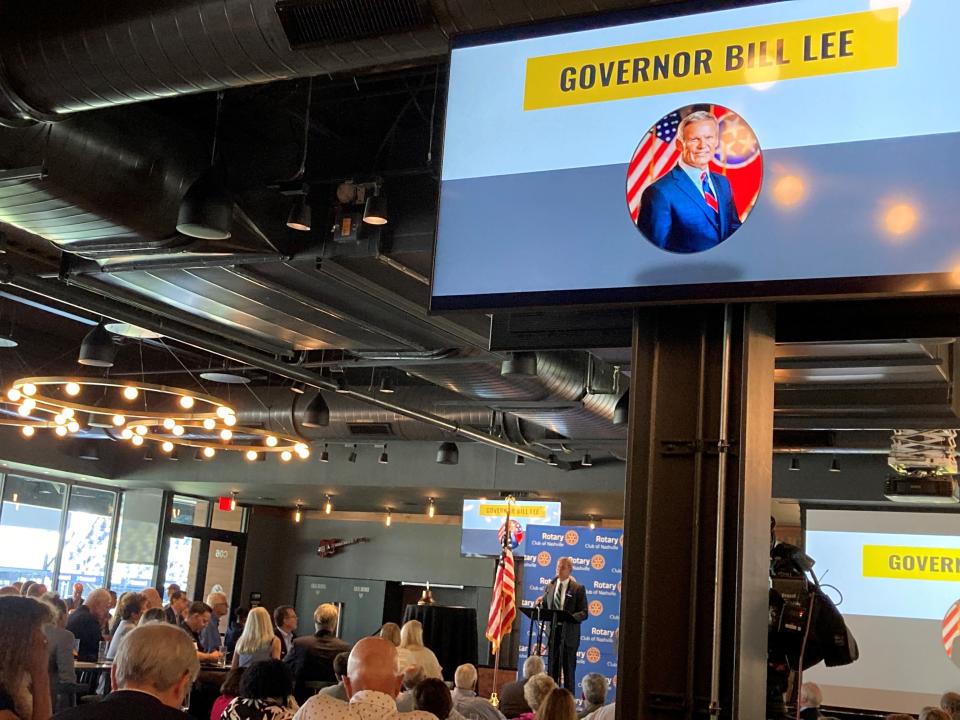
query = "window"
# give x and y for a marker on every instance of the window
(86, 540)
(30, 529)
(189, 511)
(136, 548)
(228, 519)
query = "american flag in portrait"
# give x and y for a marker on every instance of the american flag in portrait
(951, 627)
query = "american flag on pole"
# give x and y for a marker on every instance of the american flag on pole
(738, 157)
(503, 608)
(951, 627)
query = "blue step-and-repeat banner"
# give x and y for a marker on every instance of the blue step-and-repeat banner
(597, 565)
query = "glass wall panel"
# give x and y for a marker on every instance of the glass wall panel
(189, 511)
(137, 537)
(228, 519)
(86, 542)
(183, 561)
(30, 529)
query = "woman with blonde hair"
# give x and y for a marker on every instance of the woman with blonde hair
(413, 652)
(258, 641)
(24, 679)
(558, 705)
(391, 631)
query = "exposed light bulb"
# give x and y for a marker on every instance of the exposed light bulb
(593, 523)
(177, 430)
(29, 389)
(168, 423)
(29, 403)
(141, 430)
(60, 419)
(271, 441)
(209, 452)
(24, 410)
(166, 446)
(251, 455)
(137, 440)
(119, 420)
(303, 453)
(230, 420)
(328, 505)
(209, 424)
(388, 521)
(226, 435)
(299, 447)
(73, 426)
(223, 411)
(286, 456)
(126, 433)
(233, 501)
(61, 430)
(298, 514)
(14, 395)
(72, 389)
(67, 412)
(431, 508)
(186, 402)
(28, 431)
(130, 392)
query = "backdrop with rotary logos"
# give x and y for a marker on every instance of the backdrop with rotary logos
(597, 565)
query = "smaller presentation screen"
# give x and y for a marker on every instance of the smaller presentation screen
(484, 520)
(899, 577)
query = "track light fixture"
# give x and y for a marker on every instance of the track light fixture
(327, 504)
(552, 460)
(97, 349)
(298, 387)
(587, 460)
(593, 523)
(388, 520)
(448, 453)
(325, 455)
(384, 459)
(431, 508)
(375, 208)
(198, 455)
(621, 411)
(795, 463)
(386, 386)
(342, 385)
(317, 413)
(834, 466)
(300, 213)
(519, 460)
(6, 335)
(353, 455)
(233, 500)
(298, 514)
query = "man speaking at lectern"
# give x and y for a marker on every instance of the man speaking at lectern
(565, 593)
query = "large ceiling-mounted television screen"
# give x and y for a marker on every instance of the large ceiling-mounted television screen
(484, 524)
(777, 149)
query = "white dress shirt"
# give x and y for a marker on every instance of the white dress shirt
(560, 587)
(364, 705)
(693, 173)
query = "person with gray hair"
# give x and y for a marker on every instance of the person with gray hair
(413, 675)
(210, 640)
(535, 692)
(465, 698)
(87, 623)
(512, 702)
(811, 697)
(593, 690)
(690, 209)
(63, 676)
(151, 676)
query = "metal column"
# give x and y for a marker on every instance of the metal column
(692, 633)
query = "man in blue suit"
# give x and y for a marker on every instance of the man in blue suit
(690, 209)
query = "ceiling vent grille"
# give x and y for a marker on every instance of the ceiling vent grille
(313, 22)
(370, 429)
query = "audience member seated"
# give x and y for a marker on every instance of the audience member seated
(228, 691)
(465, 698)
(338, 691)
(63, 678)
(412, 676)
(372, 684)
(934, 713)
(257, 641)
(512, 703)
(198, 615)
(609, 712)
(811, 698)
(312, 658)
(151, 677)
(115, 618)
(153, 615)
(433, 696)
(535, 692)
(284, 626)
(593, 688)
(265, 693)
(36, 591)
(179, 602)
(210, 637)
(151, 599)
(391, 631)
(8, 590)
(24, 678)
(172, 588)
(558, 705)
(235, 630)
(950, 703)
(413, 651)
(87, 623)
(75, 600)
(25, 588)
(129, 612)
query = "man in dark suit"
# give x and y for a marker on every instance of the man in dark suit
(690, 209)
(151, 675)
(311, 661)
(565, 593)
(87, 623)
(512, 701)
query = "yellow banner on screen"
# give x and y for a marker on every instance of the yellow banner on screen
(911, 563)
(746, 56)
(516, 511)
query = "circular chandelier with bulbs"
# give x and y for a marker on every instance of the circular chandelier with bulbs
(212, 437)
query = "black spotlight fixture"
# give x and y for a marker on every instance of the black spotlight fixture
(342, 385)
(834, 466)
(384, 459)
(6, 335)
(206, 211)
(198, 455)
(386, 386)
(375, 209)
(316, 414)
(520, 363)
(552, 460)
(795, 463)
(353, 455)
(448, 453)
(587, 460)
(325, 455)
(298, 387)
(519, 460)
(300, 216)
(91, 451)
(97, 348)
(621, 411)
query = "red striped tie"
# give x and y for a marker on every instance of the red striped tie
(708, 193)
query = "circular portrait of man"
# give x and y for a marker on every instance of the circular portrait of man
(694, 178)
